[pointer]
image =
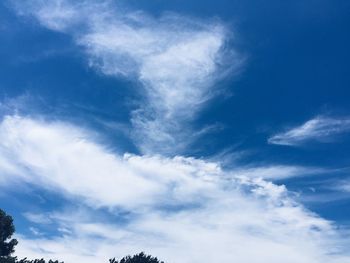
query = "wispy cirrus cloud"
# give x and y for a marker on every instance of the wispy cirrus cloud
(320, 129)
(176, 59)
(278, 172)
(181, 209)
(342, 185)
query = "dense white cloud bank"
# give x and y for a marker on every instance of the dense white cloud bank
(183, 209)
(176, 59)
(321, 129)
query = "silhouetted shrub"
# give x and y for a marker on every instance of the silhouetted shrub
(37, 261)
(139, 258)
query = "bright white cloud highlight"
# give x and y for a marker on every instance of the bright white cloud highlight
(91, 171)
(175, 58)
(182, 209)
(278, 172)
(321, 129)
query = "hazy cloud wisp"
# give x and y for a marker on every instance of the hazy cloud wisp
(321, 129)
(176, 59)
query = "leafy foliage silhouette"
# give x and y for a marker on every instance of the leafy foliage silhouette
(138, 258)
(7, 245)
(37, 261)
(7, 229)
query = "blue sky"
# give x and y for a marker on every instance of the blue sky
(189, 131)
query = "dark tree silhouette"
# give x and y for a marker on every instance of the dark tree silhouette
(7, 245)
(25, 260)
(139, 258)
(7, 260)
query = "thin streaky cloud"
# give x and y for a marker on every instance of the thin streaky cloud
(176, 59)
(320, 129)
(279, 172)
(342, 185)
(37, 218)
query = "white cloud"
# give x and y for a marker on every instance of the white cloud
(40, 151)
(278, 172)
(37, 218)
(57, 15)
(341, 185)
(177, 59)
(182, 209)
(321, 129)
(346, 187)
